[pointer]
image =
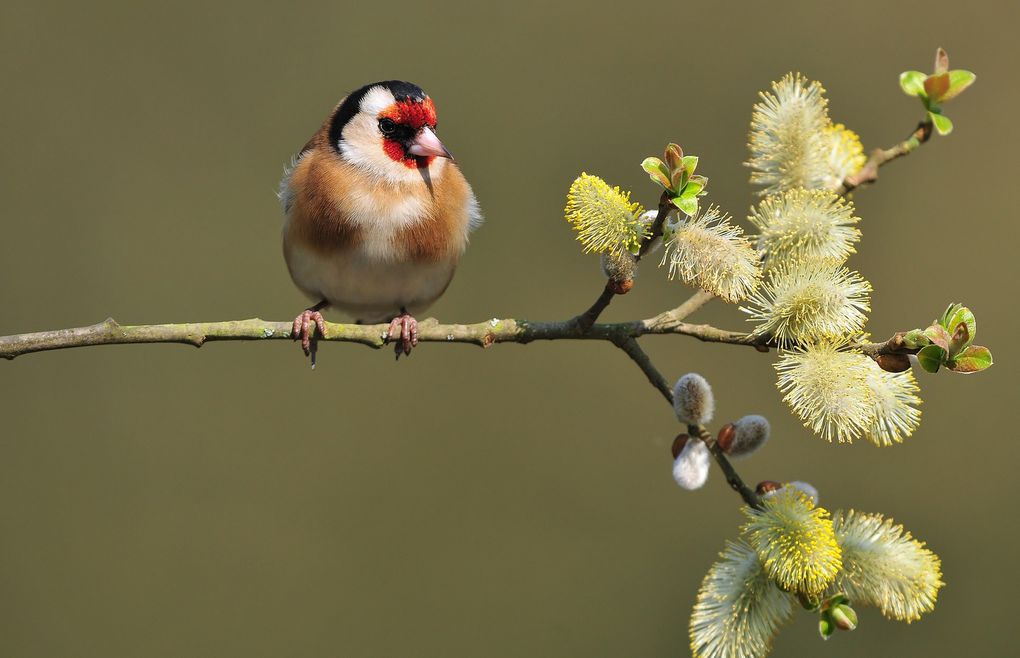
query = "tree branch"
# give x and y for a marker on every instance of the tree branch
(587, 319)
(732, 478)
(655, 230)
(869, 172)
(640, 357)
(482, 334)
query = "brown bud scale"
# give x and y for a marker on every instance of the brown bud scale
(678, 444)
(725, 437)
(893, 362)
(621, 287)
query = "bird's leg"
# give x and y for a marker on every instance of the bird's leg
(304, 328)
(404, 327)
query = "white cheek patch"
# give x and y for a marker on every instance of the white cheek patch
(361, 143)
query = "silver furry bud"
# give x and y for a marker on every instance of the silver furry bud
(750, 433)
(619, 265)
(690, 470)
(693, 401)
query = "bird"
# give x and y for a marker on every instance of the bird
(377, 214)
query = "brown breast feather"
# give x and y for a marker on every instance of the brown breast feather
(317, 218)
(321, 179)
(442, 232)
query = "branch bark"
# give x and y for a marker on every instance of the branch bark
(732, 478)
(640, 357)
(483, 334)
(880, 157)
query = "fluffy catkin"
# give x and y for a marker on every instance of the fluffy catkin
(750, 433)
(690, 470)
(693, 400)
(619, 265)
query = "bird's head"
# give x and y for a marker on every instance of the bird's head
(387, 128)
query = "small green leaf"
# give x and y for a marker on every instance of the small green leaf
(912, 83)
(657, 171)
(826, 626)
(973, 359)
(948, 314)
(958, 81)
(693, 188)
(834, 601)
(690, 164)
(701, 180)
(915, 339)
(938, 335)
(941, 61)
(845, 617)
(962, 315)
(936, 86)
(931, 358)
(942, 123)
(687, 204)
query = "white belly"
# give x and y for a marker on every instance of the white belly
(368, 288)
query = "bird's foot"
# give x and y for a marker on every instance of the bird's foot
(404, 331)
(304, 328)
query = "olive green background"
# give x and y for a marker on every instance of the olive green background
(166, 501)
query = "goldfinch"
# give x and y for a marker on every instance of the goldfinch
(376, 213)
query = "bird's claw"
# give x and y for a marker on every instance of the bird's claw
(304, 328)
(404, 330)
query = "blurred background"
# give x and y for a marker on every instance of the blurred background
(165, 501)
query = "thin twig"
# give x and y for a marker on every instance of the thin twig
(732, 477)
(655, 230)
(640, 357)
(677, 315)
(879, 157)
(589, 317)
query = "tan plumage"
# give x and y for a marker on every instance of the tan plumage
(371, 229)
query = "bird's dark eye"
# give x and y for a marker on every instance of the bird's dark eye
(387, 126)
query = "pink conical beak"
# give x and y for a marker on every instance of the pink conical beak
(426, 144)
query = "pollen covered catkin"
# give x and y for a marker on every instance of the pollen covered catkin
(805, 488)
(693, 400)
